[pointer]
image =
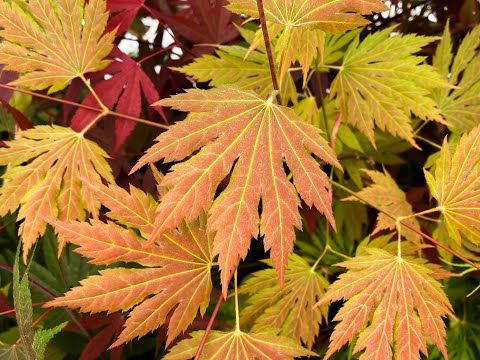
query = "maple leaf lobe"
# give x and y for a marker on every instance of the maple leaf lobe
(229, 127)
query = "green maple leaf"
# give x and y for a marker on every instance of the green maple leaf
(45, 167)
(51, 42)
(237, 65)
(381, 83)
(459, 106)
(394, 303)
(238, 345)
(237, 129)
(175, 271)
(455, 185)
(300, 25)
(289, 311)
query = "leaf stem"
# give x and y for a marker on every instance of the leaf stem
(268, 47)
(409, 226)
(83, 106)
(435, 209)
(237, 312)
(318, 78)
(209, 327)
(429, 142)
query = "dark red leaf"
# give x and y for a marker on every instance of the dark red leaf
(202, 22)
(124, 89)
(124, 12)
(102, 340)
(21, 120)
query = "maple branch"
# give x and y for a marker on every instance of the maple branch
(268, 47)
(83, 106)
(407, 225)
(209, 327)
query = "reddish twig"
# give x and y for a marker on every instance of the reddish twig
(209, 327)
(439, 244)
(268, 47)
(83, 106)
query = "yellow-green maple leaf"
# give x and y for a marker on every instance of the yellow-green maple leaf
(236, 129)
(455, 185)
(394, 303)
(460, 106)
(384, 193)
(51, 42)
(381, 83)
(174, 277)
(230, 67)
(236, 345)
(301, 25)
(289, 311)
(43, 178)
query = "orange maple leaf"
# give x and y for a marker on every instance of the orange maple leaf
(43, 178)
(236, 128)
(392, 302)
(238, 345)
(175, 277)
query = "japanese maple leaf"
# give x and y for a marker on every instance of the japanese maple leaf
(174, 278)
(460, 106)
(238, 345)
(289, 311)
(230, 67)
(230, 127)
(123, 11)
(384, 193)
(455, 185)
(301, 24)
(123, 90)
(50, 43)
(392, 302)
(45, 166)
(202, 22)
(381, 83)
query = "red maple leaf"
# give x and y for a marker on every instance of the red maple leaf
(124, 91)
(202, 21)
(124, 11)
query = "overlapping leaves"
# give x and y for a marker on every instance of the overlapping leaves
(230, 67)
(238, 345)
(381, 83)
(301, 24)
(235, 128)
(455, 185)
(45, 167)
(460, 106)
(174, 277)
(289, 311)
(394, 303)
(50, 43)
(385, 194)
